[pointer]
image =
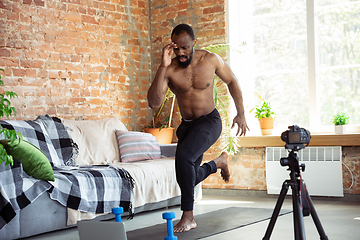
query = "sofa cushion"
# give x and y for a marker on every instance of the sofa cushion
(34, 161)
(135, 146)
(35, 134)
(155, 180)
(95, 139)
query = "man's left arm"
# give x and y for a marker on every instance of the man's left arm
(225, 73)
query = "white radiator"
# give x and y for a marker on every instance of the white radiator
(322, 175)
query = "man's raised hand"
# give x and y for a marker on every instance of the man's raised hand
(167, 54)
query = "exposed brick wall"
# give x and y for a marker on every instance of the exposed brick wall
(247, 168)
(351, 158)
(85, 59)
(77, 59)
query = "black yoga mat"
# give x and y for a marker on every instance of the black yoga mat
(208, 224)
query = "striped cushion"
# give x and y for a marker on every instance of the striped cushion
(136, 146)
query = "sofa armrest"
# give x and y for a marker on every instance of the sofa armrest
(168, 150)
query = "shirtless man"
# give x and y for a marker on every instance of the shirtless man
(190, 76)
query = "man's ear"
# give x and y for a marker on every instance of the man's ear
(194, 42)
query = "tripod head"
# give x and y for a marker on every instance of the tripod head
(292, 161)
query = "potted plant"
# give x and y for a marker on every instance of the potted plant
(340, 120)
(265, 116)
(7, 110)
(162, 130)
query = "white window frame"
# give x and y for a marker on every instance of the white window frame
(236, 36)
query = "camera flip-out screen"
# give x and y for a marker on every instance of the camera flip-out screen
(294, 138)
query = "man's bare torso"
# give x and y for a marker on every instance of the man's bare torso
(193, 86)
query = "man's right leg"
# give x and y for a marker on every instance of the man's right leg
(194, 140)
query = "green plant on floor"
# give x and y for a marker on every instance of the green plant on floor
(7, 110)
(340, 119)
(263, 110)
(222, 100)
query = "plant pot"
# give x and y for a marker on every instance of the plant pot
(266, 125)
(339, 129)
(164, 136)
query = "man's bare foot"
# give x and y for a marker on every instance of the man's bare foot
(222, 163)
(186, 222)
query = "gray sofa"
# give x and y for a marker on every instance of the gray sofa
(45, 215)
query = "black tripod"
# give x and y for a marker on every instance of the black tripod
(300, 209)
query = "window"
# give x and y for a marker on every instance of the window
(302, 56)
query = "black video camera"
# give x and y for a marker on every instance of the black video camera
(296, 137)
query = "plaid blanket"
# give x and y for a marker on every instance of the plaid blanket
(64, 146)
(95, 189)
(35, 133)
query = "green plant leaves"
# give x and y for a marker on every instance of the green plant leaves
(7, 110)
(5, 104)
(222, 101)
(4, 157)
(13, 136)
(264, 110)
(340, 119)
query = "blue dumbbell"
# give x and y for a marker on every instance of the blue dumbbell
(118, 211)
(169, 217)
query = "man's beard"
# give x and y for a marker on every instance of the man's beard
(187, 62)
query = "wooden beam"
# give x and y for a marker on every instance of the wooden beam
(316, 140)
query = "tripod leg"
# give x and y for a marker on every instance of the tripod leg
(299, 230)
(277, 208)
(315, 217)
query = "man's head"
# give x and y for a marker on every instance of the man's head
(181, 28)
(184, 38)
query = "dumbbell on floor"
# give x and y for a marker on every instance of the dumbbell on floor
(169, 216)
(117, 212)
